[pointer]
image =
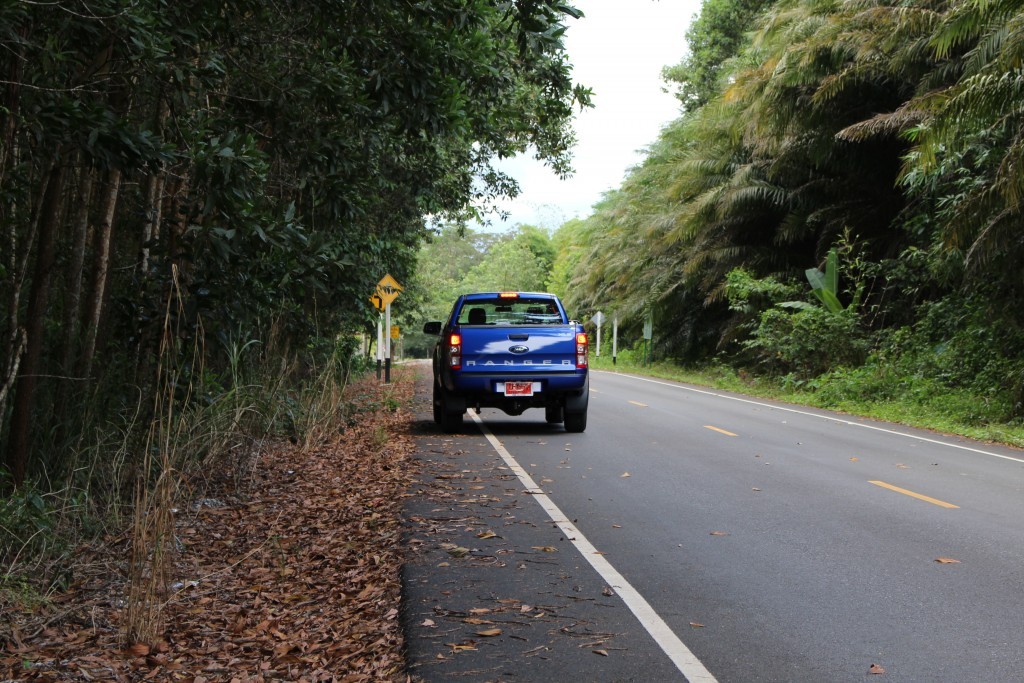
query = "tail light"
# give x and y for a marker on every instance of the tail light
(582, 348)
(455, 351)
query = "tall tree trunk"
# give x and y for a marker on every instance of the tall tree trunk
(154, 196)
(73, 303)
(19, 442)
(102, 272)
(154, 215)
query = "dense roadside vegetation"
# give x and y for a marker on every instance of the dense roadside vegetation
(838, 209)
(196, 201)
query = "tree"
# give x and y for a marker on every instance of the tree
(267, 163)
(510, 266)
(714, 37)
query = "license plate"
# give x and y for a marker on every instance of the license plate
(519, 388)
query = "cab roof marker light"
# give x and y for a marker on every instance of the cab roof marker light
(508, 295)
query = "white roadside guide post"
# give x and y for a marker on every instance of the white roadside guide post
(615, 338)
(378, 303)
(598, 320)
(380, 346)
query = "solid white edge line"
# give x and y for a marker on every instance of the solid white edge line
(809, 414)
(667, 640)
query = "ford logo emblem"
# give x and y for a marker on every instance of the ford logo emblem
(519, 348)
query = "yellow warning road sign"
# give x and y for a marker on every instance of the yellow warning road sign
(387, 290)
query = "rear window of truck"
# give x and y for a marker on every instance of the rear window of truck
(514, 312)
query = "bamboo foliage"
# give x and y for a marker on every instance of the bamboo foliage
(281, 157)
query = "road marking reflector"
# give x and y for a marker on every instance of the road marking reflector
(927, 499)
(720, 431)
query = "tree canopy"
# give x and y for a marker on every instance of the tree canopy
(888, 131)
(262, 163)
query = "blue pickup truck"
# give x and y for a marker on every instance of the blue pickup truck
(512, 351)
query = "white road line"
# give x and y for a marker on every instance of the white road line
(685, 661)
(822, 417)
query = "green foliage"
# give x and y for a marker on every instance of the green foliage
(510, 265)
(713, 37)
(748, 294)
(26, 522)
(808, 342)
(265, 163)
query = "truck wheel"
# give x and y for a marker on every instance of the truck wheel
(451, 421)
(438, 405)
(576, 422)
(554, 415)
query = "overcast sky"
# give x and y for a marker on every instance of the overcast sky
(618, 49)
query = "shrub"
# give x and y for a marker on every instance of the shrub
(807, 342)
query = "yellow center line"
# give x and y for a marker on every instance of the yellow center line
(637, 403)
(720, 431)
(927, 499)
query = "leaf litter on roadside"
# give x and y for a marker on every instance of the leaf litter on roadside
(301, 563)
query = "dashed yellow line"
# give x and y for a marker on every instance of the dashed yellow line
(720, 431)
(927, 499)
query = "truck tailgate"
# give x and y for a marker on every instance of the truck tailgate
(540, 350)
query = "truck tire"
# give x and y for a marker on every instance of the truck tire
(438, 405)
(450, 415)
(576, 422)
(554, 414)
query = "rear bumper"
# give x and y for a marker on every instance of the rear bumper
(464, 382)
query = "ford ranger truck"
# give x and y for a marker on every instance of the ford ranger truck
(511, 351)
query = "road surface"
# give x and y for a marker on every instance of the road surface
(729, 539)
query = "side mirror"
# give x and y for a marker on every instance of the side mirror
(433, 327)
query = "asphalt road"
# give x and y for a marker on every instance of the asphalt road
(706, 536)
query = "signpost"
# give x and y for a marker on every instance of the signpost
(615, 339)
(598, 320)
(648, 336)
(387, 291)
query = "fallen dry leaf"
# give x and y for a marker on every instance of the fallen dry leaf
(946, 560)
(299, 561)
(624, 475)
(854, 459)
(545, 548)
(489, 632)
(695, 624)
(719, 533)
(487, 534)
(603, 653)
(138, 650)
(876, 669)
(429, 623)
